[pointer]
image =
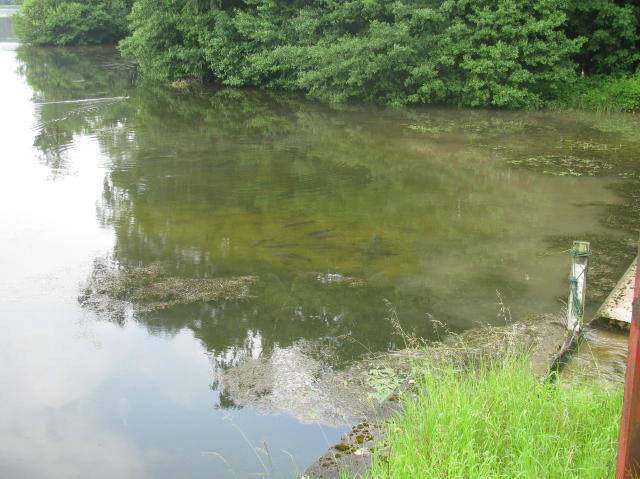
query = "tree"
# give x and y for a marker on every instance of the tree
(611, 30)
(71, 22)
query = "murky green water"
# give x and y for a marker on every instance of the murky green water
(330, 210)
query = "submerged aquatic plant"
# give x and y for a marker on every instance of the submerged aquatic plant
(146, 289)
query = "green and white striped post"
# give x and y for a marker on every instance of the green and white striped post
(580, 253)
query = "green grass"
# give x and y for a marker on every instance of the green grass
(502, 423)
(603, 93)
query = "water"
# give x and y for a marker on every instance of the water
(331, 210)
(6, 32)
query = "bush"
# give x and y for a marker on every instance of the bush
(165, 39)
(71, 22)
(611, 28)
(469, 53)
(604, 93)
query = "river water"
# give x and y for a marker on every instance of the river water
(330, 211)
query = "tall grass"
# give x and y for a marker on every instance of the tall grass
(501, 422)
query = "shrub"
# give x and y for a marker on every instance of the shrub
(71, 22)
(611, 30)
(604, 93)
(470, 53)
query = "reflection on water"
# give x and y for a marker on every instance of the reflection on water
(329, 211)
(6, 31)
(601, 357)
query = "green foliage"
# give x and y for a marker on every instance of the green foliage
(612, 30)
(165, 39)
(71, 22)
(471, 53)
(478, 53)
(604, 93)
(503, 422)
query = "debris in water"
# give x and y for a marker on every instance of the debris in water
(337, 278)
(112, 290)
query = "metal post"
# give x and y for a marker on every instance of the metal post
(629, 446)
(580, 253)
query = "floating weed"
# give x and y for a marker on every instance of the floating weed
(383, 381)
(111, 289)
(479, 126)
(563, 165)
(438, 128)
(589, 145)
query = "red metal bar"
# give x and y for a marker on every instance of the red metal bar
(629, 445)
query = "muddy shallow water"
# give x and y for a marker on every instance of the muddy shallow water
(446, 214)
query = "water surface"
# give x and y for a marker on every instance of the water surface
(331, 210)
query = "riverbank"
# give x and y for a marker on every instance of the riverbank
(538, 338)
(479, 404)
(475, 409)
(501, 421)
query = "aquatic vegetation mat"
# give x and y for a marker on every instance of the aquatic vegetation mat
(113, 290)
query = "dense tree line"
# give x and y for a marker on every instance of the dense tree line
(502, 53)
(72, 22)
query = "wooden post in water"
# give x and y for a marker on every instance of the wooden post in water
(629, 446)
(580, 253)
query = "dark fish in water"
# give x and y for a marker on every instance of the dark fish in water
(291, 256)
(298, 223)
(325, 236)
(281, 245)
(377, 252)
(319, 232)
(258, 243)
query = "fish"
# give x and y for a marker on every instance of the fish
(325, 236)
(319, 232)
(291, 256)
(258, 243)
(281, 245)
(377, 252)
(298, 223)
